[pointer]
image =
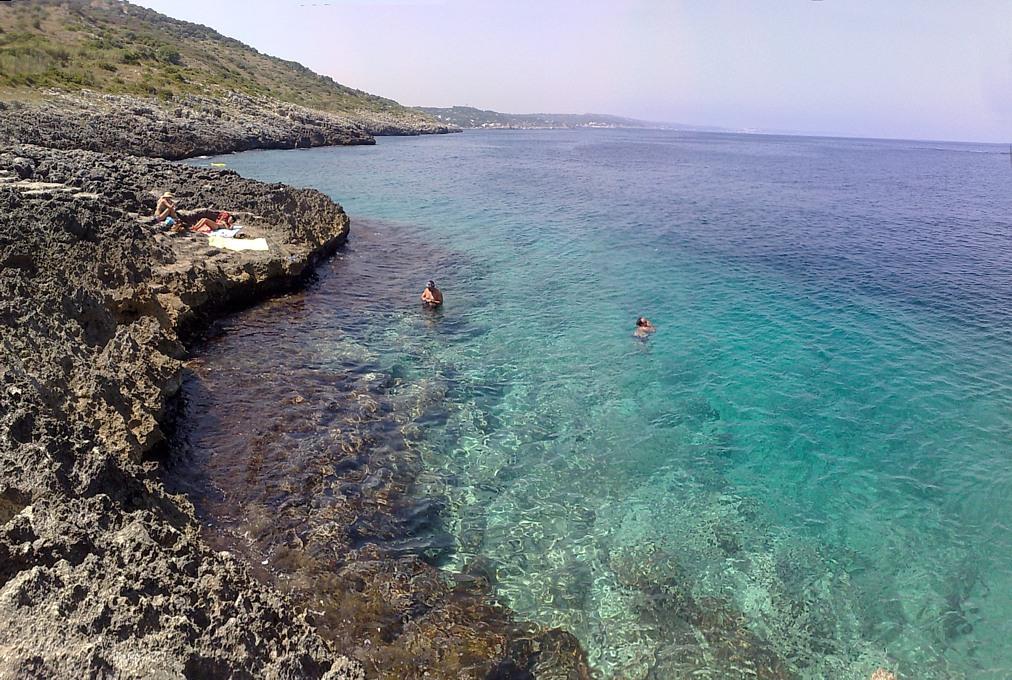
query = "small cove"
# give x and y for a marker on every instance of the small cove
(806, 462)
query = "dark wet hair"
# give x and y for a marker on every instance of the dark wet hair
(430, 284)
(641, 321)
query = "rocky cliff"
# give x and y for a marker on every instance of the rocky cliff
(191, 126)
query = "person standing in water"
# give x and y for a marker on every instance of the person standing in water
(432, 296)
(644, 328)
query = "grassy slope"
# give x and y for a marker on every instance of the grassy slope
(112, 46)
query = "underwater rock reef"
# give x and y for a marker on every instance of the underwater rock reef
(307, 468)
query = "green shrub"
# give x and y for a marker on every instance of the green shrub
(58, 54)
(104, 43)
(168, 55)
(17, 62)
(136, 56)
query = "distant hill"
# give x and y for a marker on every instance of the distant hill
(111, 47)
(469, 117)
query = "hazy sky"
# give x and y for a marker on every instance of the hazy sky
(926, 69)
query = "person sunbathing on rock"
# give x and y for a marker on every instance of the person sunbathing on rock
(166, 207)
(432, 296)
(205, 226)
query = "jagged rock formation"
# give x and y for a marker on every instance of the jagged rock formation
(101, 572)
(190, 126)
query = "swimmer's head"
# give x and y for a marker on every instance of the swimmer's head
(641, 321)
(430, 284)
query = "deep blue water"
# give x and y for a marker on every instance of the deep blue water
(817, 439)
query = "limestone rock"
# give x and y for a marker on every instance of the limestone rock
(24, 168)
(193, 125)
(102, 573)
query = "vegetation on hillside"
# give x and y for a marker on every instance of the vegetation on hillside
(116, 47)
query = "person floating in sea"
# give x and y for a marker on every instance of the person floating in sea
(432, 296)
(644, 328)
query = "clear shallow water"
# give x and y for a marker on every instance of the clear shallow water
(815, 444)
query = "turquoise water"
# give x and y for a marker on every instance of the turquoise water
(815, 443)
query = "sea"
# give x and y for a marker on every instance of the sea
(810, 459)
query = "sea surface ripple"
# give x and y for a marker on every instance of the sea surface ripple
(809, 460)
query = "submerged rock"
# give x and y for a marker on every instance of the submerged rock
(350, 539)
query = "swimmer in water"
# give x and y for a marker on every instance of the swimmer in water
(432, 296)
(644, 328)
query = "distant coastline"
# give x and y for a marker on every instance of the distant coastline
(470, 118)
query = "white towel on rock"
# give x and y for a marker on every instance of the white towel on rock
(237, 243)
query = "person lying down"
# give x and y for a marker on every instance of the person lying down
(205, 226)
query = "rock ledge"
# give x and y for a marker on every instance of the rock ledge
(102, 573)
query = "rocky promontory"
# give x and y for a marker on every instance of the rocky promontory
(192, 126)
(189, 125)
(103, 574)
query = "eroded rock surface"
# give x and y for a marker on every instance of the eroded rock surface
(190, 125)
(103, 574)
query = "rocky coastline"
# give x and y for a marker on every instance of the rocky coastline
(190, 125)
(102, 571)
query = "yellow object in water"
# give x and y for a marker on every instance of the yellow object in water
(218, 165)
(237, 243)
